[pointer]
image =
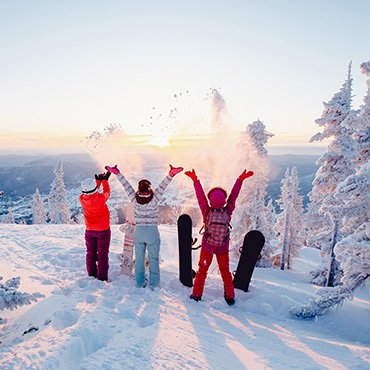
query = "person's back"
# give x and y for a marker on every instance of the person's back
(95, 209)
(146, 235)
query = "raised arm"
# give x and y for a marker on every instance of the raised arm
(199, 192)
(102, 179)
(231, 200)
(159, 191)
(130, 191)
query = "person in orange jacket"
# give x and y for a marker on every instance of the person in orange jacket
(97, 221)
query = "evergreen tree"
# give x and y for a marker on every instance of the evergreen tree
(38, 209)
(59, 210)
(354, 251)
(8, 218)
(325, 211)
(251, 213)
(289, 224)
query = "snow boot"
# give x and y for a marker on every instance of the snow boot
(229, 301)
(197, 299)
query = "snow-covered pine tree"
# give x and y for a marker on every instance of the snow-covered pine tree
(11, 298)
(289, 223)
(324, 212)
(271, 215)
(353, 251)
(59, 209)
(38, 208)
(354, 191)
(360, 123)
(8, 218)
(251, 213)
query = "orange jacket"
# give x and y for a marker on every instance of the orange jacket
(96, 211)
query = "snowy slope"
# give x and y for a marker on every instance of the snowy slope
(88, 324)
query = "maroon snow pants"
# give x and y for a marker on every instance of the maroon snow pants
(97, 249)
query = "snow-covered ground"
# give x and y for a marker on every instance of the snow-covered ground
(87, 324)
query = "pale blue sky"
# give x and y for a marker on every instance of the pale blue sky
(71, 67)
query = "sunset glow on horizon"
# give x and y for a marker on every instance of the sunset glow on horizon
(169, 71)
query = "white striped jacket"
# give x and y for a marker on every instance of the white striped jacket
(145, 214)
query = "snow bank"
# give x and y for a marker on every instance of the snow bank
(83, 323)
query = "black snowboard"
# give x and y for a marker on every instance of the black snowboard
(184, 231)
(252, 246)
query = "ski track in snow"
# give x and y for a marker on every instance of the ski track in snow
(87, 324)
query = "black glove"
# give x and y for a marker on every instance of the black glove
(99, 177)
(106, 175)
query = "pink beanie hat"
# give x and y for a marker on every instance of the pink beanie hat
(217, 198)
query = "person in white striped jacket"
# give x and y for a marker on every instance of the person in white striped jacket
(146, 235)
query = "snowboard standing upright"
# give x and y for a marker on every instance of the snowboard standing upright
(184, 230)
(252, 246)
(127, 255)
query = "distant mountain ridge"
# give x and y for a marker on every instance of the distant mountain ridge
(21, 175)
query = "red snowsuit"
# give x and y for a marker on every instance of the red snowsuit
(207, 251)
(98, 233)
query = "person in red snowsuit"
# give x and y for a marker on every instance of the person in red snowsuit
(217, 199)
(97, 221)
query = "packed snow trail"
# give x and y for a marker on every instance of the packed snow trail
(84, 323)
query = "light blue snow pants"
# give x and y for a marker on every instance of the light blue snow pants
(147, 237)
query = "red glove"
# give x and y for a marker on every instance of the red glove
(245, 175)
(114, 169)
(192, 174)
(174, 170)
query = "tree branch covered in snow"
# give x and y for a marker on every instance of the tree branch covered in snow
(11, 299)
(328, 298)
(365, 68)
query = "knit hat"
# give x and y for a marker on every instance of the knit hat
(144, 186)
(217, 197)
(89, 186)
(145, 193)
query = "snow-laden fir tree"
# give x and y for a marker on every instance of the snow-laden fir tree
(353, 251)
(251, 212)
(289, 223)
(38, 208)
(8, 218)
(324, 217)
(11, 298)
(59, 209)
(354, 191)
(360, 123)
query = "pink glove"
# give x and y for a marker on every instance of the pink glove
(174, 170)
(114, 169)
(245, 175)
(192, 174)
